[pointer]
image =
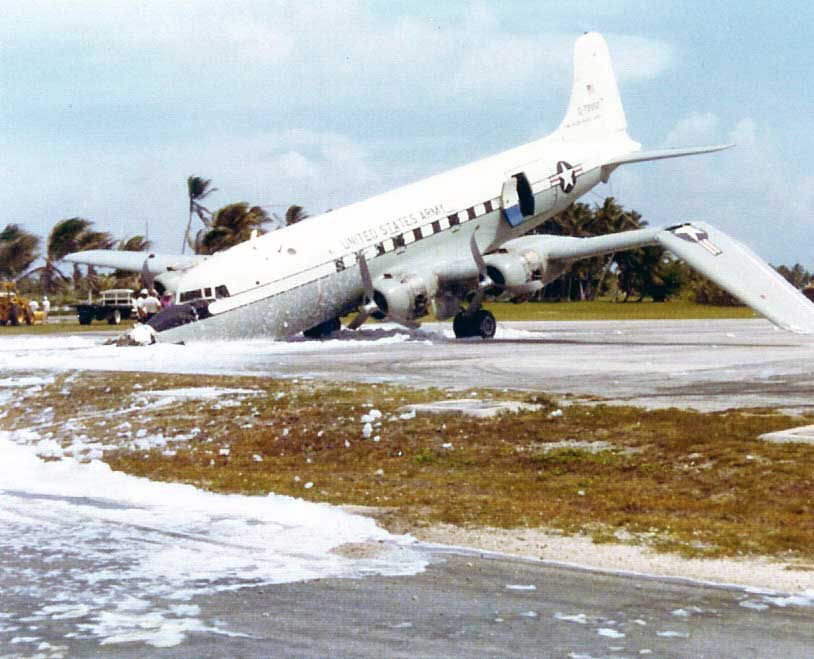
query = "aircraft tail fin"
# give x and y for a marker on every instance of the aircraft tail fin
(595, 109)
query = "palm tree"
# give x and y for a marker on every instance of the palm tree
(63, 239)
(198, 188)
(295, 214)
(135, 244)
(18, 250)
(231, 225)
(67, 236)
(612, 218)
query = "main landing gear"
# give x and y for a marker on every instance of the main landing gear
(323, 329)
(481, 323)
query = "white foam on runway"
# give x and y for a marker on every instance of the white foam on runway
(59, 353)
(114, 554)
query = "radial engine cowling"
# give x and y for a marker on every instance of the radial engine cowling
(515, 272)
(405, 298)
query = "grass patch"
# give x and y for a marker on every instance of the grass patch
(63, 327)
(607, 310)
(681, 481)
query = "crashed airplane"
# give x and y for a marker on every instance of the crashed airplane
(443, 244)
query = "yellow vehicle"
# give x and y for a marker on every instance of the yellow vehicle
(14, 309)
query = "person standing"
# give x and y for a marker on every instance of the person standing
(46, 307)
(151, 305)
(138, 304)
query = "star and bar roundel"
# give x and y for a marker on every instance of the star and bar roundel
(566, 176)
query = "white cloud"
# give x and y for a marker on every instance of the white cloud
(637, 58)
(697, 128)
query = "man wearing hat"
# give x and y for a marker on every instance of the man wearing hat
(138, 303)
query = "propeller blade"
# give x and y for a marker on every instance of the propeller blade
(147, 276)
(484, 282)
(476, 254)
(368, 305)
(359, 320)
(367, 282)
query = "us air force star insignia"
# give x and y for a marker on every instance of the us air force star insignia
(566, 175)
(695, 235)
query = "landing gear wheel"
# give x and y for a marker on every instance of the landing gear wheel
(461, 325)
(482, 323)
(485, 324)
(323, 329)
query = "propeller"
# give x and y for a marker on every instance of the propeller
(146, 276)
(369, 307)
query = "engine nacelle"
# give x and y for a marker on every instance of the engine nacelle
(404, 298)
(515, 273)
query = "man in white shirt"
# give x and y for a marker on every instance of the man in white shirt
(151, 304)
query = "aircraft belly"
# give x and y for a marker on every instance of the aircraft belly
(284, 314)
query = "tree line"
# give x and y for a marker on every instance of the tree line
(634, 275)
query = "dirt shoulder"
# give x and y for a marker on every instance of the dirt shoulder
(753, 572)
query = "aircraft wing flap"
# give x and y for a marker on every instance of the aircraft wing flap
(133, 261)
(741, 272)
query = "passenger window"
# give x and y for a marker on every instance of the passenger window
(207, 292)
(188, 296)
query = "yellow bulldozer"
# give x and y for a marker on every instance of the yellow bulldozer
(15, 309)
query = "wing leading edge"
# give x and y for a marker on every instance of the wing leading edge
(134, 261)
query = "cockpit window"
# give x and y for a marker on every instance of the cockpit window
(188, 296)
(221, 291)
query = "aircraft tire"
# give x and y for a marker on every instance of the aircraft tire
(485, 324)
(462, 325)
(482, 323)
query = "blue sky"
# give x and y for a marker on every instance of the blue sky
(106, 108)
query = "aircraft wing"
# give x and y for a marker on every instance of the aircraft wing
(716, 255)
(741, 272)
(134, 261)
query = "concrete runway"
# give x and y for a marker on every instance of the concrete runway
(466, 606)
(461, 606)
(707, 365)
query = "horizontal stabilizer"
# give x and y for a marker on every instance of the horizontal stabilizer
(741, 272)
(134, 261)
(662, 154)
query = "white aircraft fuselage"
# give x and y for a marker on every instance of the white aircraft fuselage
(289, 280)
(441, 245)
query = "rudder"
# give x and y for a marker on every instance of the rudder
(595, 109)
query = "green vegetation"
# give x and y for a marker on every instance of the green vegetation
(69, 325)
(605, 309)
(680, 481)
